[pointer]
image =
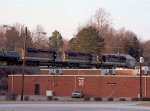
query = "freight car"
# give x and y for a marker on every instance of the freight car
(40, 57)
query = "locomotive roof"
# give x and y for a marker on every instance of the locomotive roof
(1, 53)
(9, 54)
(39, 50)
(80, 53)
(124, 55)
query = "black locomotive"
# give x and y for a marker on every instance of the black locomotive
(118, 60)
(40, 57)
(9, 57)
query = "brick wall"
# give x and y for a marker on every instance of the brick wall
(92, 85)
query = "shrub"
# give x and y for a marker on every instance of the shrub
(87, 98)
(11, 97)
(50, 98)
(110, 99)
(135, 99)
(97, 99)
(144, 99)
(148, 99)
(122, 99)
(26, 98)
(55, 99)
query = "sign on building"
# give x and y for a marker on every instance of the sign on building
(80, 81)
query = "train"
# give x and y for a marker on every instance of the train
(9, 57)
(68, 59)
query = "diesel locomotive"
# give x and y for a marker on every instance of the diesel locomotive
(41, 57)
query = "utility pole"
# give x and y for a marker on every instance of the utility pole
(23, 66)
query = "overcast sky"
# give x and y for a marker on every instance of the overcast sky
(66, 15)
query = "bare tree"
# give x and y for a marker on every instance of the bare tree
(102, 22)
(119, 35)
(12, 37)
(2, 38)
(29, 41)
(126, 41)
(19, 27)
(102, 18)
(146, 50)
(116, 41)
(39, 37)
(2, 41)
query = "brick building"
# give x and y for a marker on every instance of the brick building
(92, 82)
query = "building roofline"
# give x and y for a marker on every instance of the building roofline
(77, 76)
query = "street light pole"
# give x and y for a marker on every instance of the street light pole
(140, 80)
(23, 66)
(141, 61)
